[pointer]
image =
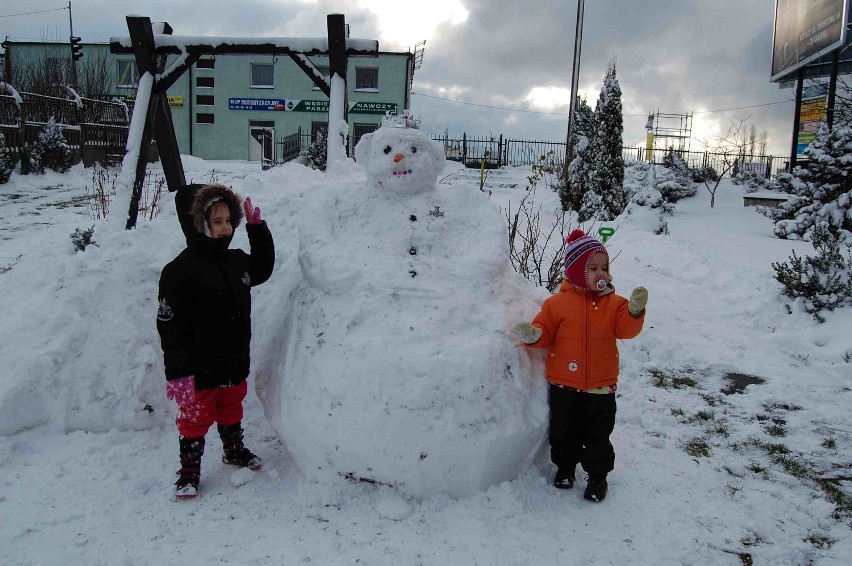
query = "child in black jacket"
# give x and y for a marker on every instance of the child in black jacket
(204, 321)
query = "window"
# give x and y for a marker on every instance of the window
(262, 75)
(359, 130)
(367, 78)
(128, 74)
(204, 82)
(324, 70)
(204, 99)
(202, 118)
(205, 64)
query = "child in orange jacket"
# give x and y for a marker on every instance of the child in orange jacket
(580, 325)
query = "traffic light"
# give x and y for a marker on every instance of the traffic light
(76, 48)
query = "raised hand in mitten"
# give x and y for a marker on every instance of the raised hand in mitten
(252, 212)
(182, 390)
(527, 333)
(638, 300)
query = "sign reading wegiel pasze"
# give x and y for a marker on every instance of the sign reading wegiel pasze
(354, 107)
(805, 30)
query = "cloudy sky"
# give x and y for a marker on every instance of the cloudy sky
(503, 66)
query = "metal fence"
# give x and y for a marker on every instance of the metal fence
(9, 111)
(290, 146)
(38, 109)
(473, 151)
(95, 130)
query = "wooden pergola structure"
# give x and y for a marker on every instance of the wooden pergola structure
(152, 47)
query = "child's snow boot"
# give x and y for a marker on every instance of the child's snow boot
(189, 475)
(564, 478)
(596, 489)
(234, 451)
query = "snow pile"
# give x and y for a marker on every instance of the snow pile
(76, 350)
(80, 353)
(394, 362)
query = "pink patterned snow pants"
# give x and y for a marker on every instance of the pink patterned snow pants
(223, 405)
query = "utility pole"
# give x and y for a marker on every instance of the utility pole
(575, 80)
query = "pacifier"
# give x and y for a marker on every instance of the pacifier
(601, 284)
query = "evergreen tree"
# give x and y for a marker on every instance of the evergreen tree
(606, 197)
(592, 207)
(8, 160)
(29, 159)
(821, 191)
(51, 148)
(674, 179)
(821, 282)
(642, 181)
(317, 153)
(572, 189)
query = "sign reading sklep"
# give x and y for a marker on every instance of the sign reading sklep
(257, 104)
(279, 104)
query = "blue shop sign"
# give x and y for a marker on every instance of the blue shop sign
(257, 104)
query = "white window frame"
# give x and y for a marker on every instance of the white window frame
(134, 71)
(251, 78)
(367, 89)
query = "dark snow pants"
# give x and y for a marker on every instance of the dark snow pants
(580, 425)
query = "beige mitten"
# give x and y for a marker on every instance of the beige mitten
(527, 333)
(638, 300)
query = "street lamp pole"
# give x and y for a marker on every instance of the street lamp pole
(575, 79)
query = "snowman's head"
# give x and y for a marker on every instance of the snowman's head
(400, 160)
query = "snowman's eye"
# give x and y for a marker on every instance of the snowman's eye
(413, 150)
(387, 149)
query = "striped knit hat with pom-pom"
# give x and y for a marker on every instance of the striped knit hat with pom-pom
(579, 250)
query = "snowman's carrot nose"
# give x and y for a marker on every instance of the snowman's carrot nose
(397, 158)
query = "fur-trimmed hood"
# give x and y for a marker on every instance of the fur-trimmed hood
(207, 195)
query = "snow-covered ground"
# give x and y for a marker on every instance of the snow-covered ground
(704, 474)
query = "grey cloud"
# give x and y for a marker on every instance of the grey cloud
(674, 56)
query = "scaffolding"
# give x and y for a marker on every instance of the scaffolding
(417, 61)
(670, 130)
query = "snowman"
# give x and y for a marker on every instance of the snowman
(395, 365)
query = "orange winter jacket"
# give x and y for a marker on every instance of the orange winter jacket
(580, 328)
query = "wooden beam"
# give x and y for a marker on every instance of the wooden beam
(167, 145)
(337, 51)
(313, 73)
(173, 73)
(143, 49)
(142, 41)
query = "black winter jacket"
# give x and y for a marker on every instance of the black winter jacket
(204, 314)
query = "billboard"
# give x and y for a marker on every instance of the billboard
(811, 115)
(804, 31)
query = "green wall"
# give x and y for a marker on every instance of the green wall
(228, 138)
